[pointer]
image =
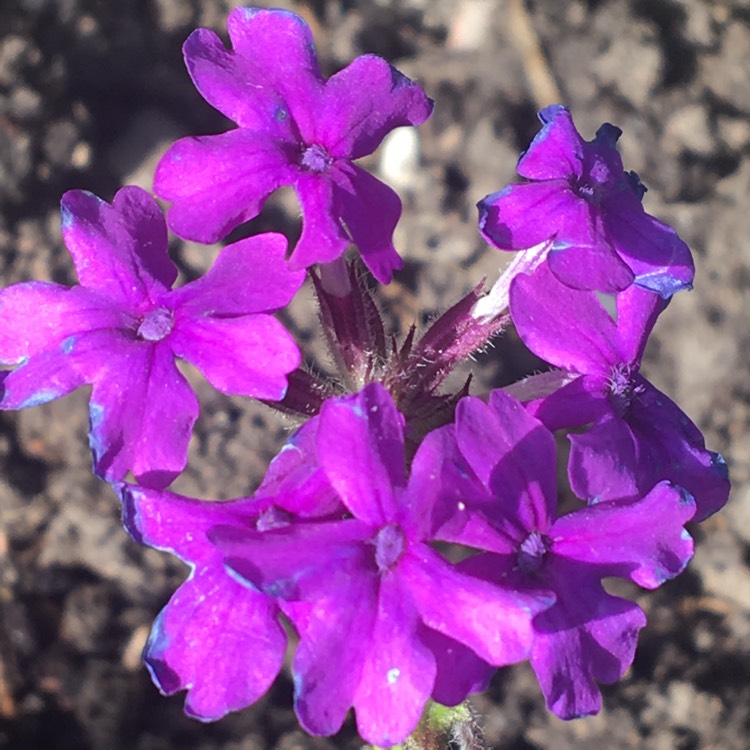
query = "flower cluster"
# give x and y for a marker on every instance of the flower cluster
(410, 537)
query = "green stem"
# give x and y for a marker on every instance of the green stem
(443, 727)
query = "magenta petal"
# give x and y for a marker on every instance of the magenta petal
(218, 640)
(235, 86)
(660, 260)
(178, 524)
(557, 150)
(118, 250)
(588, 636)
(566, 327)
(246, 356)
(637, 311)
(369, 210)
(278, 54)
(361, 450)
(441, 484)
(578, 403)
(398, 672)
(323, 237)
(365, 101)
(142, 413)
(249, 276)
(295, 481)
(45, 377)
(590, 266)
(671, 447)
(460, 671)
(216, 182)
(67, 311)
(644, 541)
(297, 561)
(493, 621)
(521, 216)
(603, 462)
(513, 454)
(329, 660)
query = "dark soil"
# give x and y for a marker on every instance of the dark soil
(91, 92)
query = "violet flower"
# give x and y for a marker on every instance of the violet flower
(504, 460)
(637, 436)
(580, 197)
(122, 329)
(365, 592)
(294, 128)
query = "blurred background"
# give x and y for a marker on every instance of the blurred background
(92, 92)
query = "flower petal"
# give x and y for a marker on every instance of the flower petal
(361, 450)
(398, 672)
(249, 276)
(217, 639)
(177, 524)
(603, 463)
(245, 356)
(119, 250)
(460, 671)
(566, 327)
(278, 54)
(521, 216)
(644, 541)
(557, 150)
(323, 237)
(142, 412)
(492, 620)
(670, 446)
(513, 455)
(660, 260)
(216, 182)
(334, 632)
(67, 312)
(295, 481)
(45, 377)
(369, 210)
(235, 86)
(588, 636)
(365, 101)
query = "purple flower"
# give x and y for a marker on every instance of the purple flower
(376, 608)
(122, 329)
(504, 461)
(216, 638)
(637, 436)
(295, 129)
(580, 197)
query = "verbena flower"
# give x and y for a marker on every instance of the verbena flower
(384, 621)
(580, 197)
(123, 327)
(503, 462)
(294, 128)
(637, 436)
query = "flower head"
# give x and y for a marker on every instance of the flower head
(508, 506)
(294, 128)
(637, 436)
(123, 327)
(580, 197)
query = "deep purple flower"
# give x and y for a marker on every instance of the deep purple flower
(637, 436)
(504, 463)
(294, 128)
(122, 329)
(580, 197)
(375, 606)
